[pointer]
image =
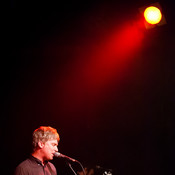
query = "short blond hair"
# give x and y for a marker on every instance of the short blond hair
(43, 134)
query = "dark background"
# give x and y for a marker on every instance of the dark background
(128, 127)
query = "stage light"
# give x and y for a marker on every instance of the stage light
(152, 15)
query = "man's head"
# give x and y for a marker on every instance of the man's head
(45, 141)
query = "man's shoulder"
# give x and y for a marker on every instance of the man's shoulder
(21, 167)
(51, 165)
(24, 163)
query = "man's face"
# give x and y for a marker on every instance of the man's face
(49, 148)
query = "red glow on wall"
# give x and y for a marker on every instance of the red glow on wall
(89, 78)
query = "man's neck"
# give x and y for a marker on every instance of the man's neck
(37, 155)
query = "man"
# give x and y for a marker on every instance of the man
(44, 141)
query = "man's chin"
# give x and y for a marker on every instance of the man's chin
(51, 157)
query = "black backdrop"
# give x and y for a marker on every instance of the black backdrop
(130, 129)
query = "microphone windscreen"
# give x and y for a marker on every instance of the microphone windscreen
(57, 154)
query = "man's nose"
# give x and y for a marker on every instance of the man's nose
(56, 148)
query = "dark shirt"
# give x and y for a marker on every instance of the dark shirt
(33, 166)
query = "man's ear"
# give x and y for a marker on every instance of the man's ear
(40, 144)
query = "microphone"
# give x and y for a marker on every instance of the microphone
(57, 154)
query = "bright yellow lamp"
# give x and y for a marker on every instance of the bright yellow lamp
(152, 15)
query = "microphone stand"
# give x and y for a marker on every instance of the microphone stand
(69, 164)
(74, 170)
(71, 168)
(81, 167)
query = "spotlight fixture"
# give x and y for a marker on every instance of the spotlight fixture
(153, 15)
